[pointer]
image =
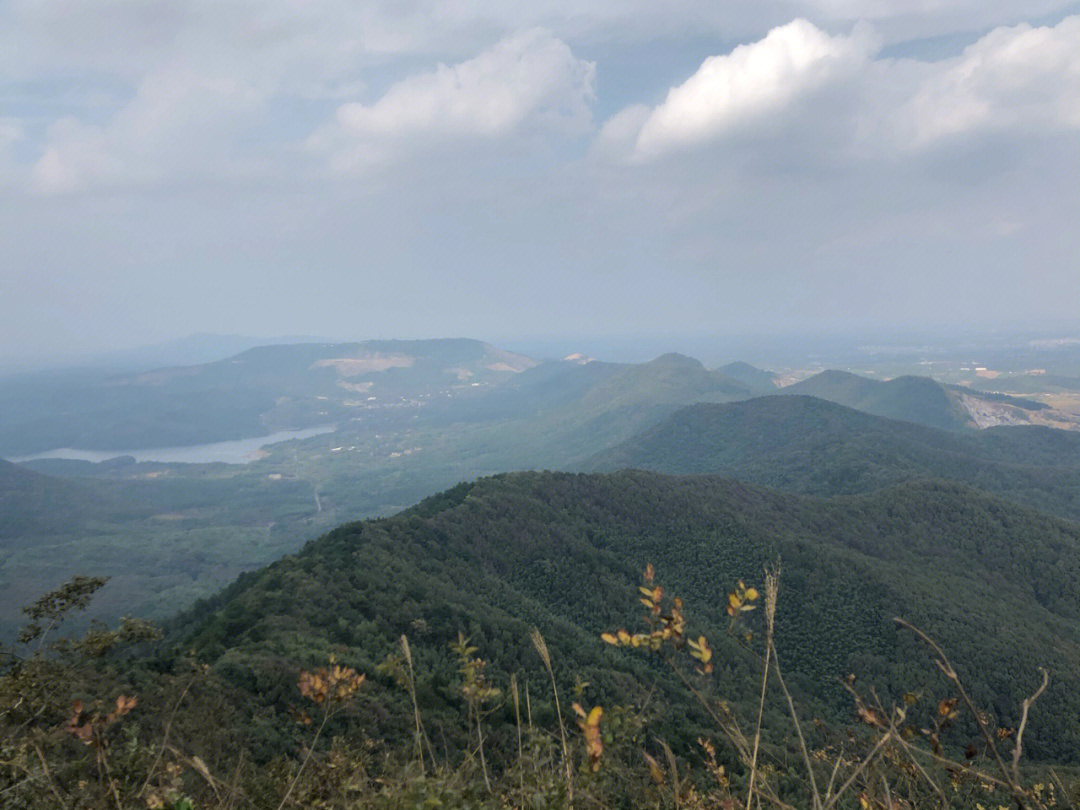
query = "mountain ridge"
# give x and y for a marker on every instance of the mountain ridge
(812, 446)
(563, 551)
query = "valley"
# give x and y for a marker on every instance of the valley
(414, 418)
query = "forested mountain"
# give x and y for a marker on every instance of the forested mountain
(163, 538)
(804, 444)
(438, 382)
(254, 393)
(412, 418)
(758, 380)
(914, 399)
(994, 582)
(32, 503)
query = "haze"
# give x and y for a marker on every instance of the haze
(478, 168)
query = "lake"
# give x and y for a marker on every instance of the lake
(238, 451)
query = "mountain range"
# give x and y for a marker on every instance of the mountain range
(416, 418)
(993, 582)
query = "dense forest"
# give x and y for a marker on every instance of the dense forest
(808, 445)
(465, 576)
(562, 552)
(403, 419)
(496, 645)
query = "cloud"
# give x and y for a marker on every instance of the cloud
(800, 85)
(1020, 78)
(182, 123)
(750, 83)
(178, 124)
(11, 131)
(530, 80)
(316, 41)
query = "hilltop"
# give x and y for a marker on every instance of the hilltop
(253, 393)
(808, 445)
(992, 580)
(916, 399)
(411, 418)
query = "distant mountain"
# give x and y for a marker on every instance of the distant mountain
(412, 418)
(808, 445)
(670, 378)
(32, 503)
(190, 350)
(992, 581)
(759, 381)
(559, 413)
(915, 399)
(256, 392)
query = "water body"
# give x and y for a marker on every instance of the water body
(238, 451)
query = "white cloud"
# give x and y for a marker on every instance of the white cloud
(316, 41)
(178, 123)
(530, 80)
(1018, 78)
(751, 82)
(183, 123)
(799, 85)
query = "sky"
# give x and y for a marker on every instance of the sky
(518, 171)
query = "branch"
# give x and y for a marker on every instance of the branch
(950, 673)
(1023, 723)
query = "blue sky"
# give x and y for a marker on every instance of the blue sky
(501, 171)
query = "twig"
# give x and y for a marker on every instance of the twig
(736, 739)
(480, 742)
(862, 766)
(48, 774)
(832, 777)
(1061, 787)
(1018, 748)
(757, 731)
(421, 733)
(234, 780)
(104, 760)
(937, 789)
(165, 736)
(517, 719)
(949, 763)
(674, 767)
(310, 751)
(950, 673)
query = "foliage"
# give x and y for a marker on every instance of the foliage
(139, 750)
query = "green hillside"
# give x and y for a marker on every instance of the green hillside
(32, 503)
(261, 390)
(165, 534)
(807, 445)
(996, 583)
(914, 399)
(758, 380)
(413, 418)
